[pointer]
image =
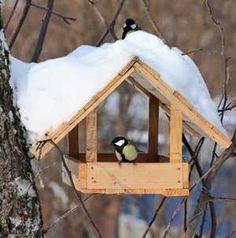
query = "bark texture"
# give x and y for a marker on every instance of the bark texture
(19, 204)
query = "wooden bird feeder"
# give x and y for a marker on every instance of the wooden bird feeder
(152, 174)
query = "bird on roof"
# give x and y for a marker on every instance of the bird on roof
(125, 149)
(129, 26)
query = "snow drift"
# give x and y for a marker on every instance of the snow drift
(51, 92)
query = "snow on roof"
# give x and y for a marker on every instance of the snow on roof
(51, 92)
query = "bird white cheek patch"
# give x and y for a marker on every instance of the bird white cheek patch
(120, 142)
(133, 26)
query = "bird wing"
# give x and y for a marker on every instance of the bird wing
(118, 155)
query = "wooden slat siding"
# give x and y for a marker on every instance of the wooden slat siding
(66, 127)
(91, 136)
(80, 177)
(185, 175)
(181, 103)
(73, 141)
(134, 176)
(176, 131)
(153, 126)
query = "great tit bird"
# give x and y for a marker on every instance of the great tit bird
(129, 26)
(125, 149)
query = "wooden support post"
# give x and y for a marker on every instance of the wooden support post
(176, 124)
(91, 137)
(153, 126)
(73, 141)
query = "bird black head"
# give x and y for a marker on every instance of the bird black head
(130, 25)
(119, 141)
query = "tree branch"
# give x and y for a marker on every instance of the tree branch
(66, 19)
(112, 22)
(11, 14)
(103, 20)
(20, 24)
(75, 190)
(43, 31)
(154, 216)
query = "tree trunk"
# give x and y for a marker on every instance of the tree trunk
(20, 214)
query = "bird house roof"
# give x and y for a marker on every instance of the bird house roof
(148, 81)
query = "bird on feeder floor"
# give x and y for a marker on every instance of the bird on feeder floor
(125, 149)
(129, 26)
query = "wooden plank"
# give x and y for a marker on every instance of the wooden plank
(185, 175)
(91, 137)
(176, 131)
(153, 126)
(82, 175)
(73, 141)
(57, 134)
(164, 192)
(79, 174)
(182, 104)
(134, 176)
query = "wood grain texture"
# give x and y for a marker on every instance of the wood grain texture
(134, 176)
(91, 137)
(176, 131)
(185, 175)
(176, 99)
(125, 182)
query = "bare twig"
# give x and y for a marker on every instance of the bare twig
(11, 14)
(213, 219)
(189, 52)
(154, 217)
(224, 198)
(66, 214)
(103, 20)
(111, 23)
(66, 19)
(202, 223)
(185, 215)
(75, 190)
(152, 21)
(43, 31)
(20, 24)
(226, 59)
(232, 234)
(177, 209)
(227, 108)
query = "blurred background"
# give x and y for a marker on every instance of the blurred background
(185, 24)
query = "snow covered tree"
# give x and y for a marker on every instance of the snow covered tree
(20, 214)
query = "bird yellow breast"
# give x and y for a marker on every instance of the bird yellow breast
(130, 152)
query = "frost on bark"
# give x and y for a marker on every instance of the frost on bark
(19, 204)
